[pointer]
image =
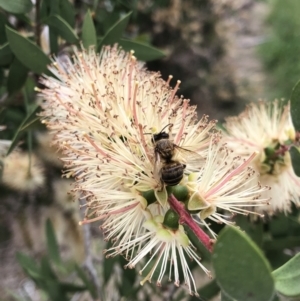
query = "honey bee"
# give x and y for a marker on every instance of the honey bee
(169, 170)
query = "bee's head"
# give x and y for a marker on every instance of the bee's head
(159, 136)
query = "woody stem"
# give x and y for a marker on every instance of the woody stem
(186, 219)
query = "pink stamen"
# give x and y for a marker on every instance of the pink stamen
(96, 147)
(145, 146)
(123, 209)
(171, 99)
(180, 132)
(87, 221)
(135, 118)
(96, 98)
(229, 176)
(169, 79)
(130, 79)
(68, 108)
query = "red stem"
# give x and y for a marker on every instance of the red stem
(185, 218)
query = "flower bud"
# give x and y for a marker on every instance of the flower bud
(171, 220)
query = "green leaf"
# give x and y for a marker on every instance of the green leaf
(52, 245)
(54, 6)
(3, 23)
(16, 77)
(29, 54)
(225, 297)
(254, 230)
(207, 292)
(295, 156)
(53, 37)
(89, 285)
(6, 55)
(61, 27)
(202, 250)
(287, 277)
(29, 265)
(71, 288)
(241, 269)
(115, 33)
(46, 270)
(108, 266)
(22, 128)
(295, 106)
(67, 12)
(89, 36)
(16, 6)
(142, 51)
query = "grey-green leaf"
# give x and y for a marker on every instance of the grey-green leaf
(29, 54)
(241, 269)
(287, 277)
(62, 28)
(295, 106)
(142, 51)
(16, 6)
(115, 33)
(295, 156)
(89, 36)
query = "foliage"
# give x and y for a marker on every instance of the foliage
(51, 268)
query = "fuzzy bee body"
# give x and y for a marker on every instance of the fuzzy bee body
(170, 171)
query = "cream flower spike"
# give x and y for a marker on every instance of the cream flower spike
(100, 109)
(267, 128)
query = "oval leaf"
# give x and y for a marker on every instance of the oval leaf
(29, 54)
(115, 33)
(142, 51)
(62, 27)
(241, 270)
(295, 106)
(16, 6)
(89, 36)
(287, 277)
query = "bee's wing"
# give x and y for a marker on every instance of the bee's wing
(188, 157)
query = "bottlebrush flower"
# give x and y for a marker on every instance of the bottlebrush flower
(224, 185)
(267, 128)
(22, 172)
(103, 111)
(168, 248)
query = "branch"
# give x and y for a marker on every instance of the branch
(186, 218)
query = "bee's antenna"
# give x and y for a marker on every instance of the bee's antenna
(168, 125)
